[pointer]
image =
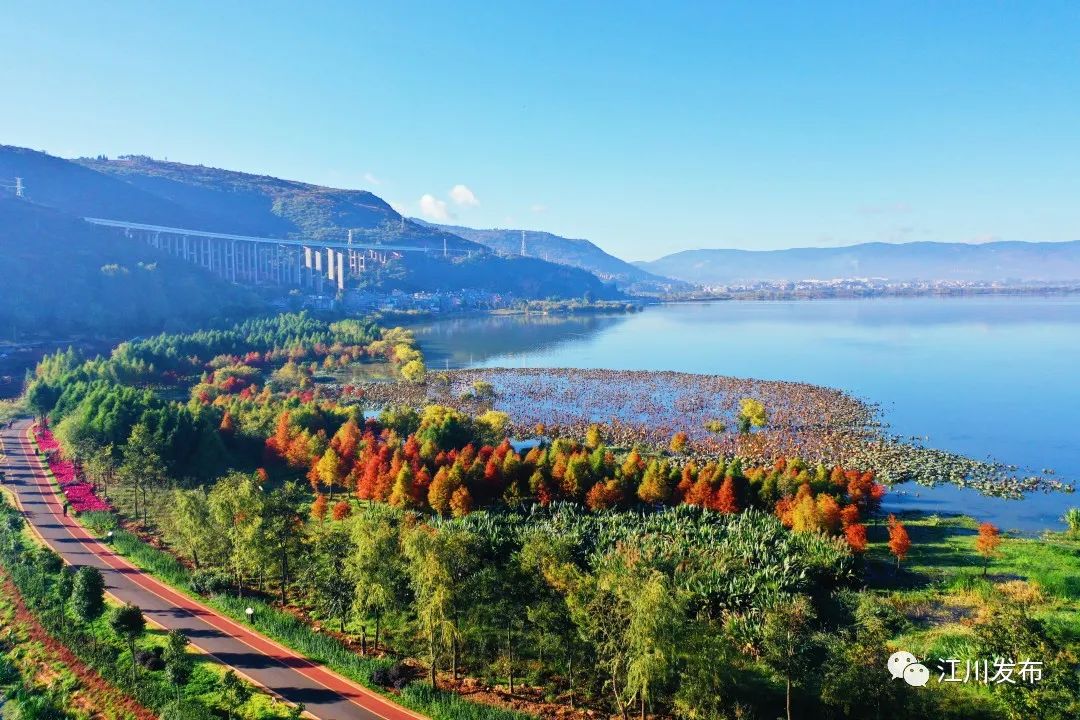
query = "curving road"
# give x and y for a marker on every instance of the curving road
(327, 695)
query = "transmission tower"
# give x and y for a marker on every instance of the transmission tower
(18, 188)
(523, 243)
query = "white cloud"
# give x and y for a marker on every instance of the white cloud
(433, 208)
(539, 208)
(370, 179)
(462, 195)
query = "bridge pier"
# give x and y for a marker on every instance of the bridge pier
(319, 266)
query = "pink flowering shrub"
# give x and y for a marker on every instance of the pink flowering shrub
(80, 495)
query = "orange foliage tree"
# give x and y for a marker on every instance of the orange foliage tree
(318, 508)
(987, 543)
(899, 541)
(342, 510)
(855, 533)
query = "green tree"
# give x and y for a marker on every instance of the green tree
(88, 595)
(41, 397)
(1007, 628)
(129, 624)
(48, 564)
(237, 516)
(100, 464)
(656, 623)
(284, 522)
(187, 523)
(142, 466)
(334, 590)
(376, 567)
(65, 583)
(629, 613)
(787, 641)
(854, 677)
(707, 676)
(178, 661)
(438, 563)
(234, 692)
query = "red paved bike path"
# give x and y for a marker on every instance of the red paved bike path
(326, 694)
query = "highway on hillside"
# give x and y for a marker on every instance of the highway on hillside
(327, 695)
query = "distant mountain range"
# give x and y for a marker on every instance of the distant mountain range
(577, 253)
(141, 189)
(925, 261)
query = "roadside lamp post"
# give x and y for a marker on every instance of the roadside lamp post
(109, 536)
(250, 612)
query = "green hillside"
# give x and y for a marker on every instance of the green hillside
(574, 252)
(62, 275)
(248, 204)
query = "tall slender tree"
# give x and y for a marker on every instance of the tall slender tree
(129, 624)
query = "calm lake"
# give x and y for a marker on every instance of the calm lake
(990, 377)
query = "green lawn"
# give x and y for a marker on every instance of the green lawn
(941, 586)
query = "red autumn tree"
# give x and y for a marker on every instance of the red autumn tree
(461, 502)
(700, 493)
(899, 541)
(987, 543)
(346, 440)
(849, 515)
(342, 510)
(856, 536)
(278, 443)
(727, 500)
(601, 497)
(829, 513)
(318, 508)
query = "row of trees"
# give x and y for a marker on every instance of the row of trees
(71, 604)
(681, 612)
(621, 610)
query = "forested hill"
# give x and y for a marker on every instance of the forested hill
(927, 261)
(578, 253)
(62, 275)
(142, 189)
(248, 204)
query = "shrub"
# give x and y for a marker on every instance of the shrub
(1072, 519)
(209, 582)
(188, 710)
(396, 676)
(150, 659)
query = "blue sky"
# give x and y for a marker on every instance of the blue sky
(645, 128)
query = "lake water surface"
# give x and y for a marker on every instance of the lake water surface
(989, 377)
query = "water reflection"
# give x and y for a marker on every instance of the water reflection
(470, 341)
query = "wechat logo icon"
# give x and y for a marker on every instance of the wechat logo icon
(903, 664)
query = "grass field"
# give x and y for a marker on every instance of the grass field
(944, 584)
